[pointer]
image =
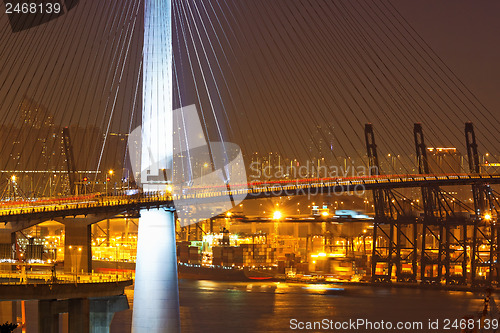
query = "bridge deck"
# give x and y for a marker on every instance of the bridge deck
(62, 207)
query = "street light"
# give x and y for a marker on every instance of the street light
(11, 184)
(106, 183)
(108, 179)
(205, 165)
(364, 241)
(85, 180)
(75, 259)
(276, 217)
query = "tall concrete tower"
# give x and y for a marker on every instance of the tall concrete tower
(156, 296)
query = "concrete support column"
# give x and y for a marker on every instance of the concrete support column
(8, 311)
(156, 293)
(78, 315)
(100, 321)
(48, 318)
(102, 311)
(5, 236)
(7, 239)
(78, 248)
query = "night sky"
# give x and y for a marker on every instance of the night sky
(296, 77)
(465, 35)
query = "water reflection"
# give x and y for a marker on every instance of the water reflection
(209, 306)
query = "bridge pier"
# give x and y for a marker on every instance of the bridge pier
(8, 311)
(48, 316)
(77, 248)
(79, 315)
(6, 236)
(156, 292)
(78, 242)
(103, 311)
(84, 314)
(7, 240)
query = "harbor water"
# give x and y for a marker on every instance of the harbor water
(210, 306)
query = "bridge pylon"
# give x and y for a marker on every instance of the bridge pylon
(156, 292)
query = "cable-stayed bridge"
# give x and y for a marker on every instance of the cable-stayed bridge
(394, 212)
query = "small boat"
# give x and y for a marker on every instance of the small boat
(487, 320)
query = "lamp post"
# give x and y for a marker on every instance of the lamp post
(72, 259)
(75, 259)
(276, 217)
(108, 179)
(78, 259)
(85, 180)
(205, 165)
(12, 184)
(364, 241)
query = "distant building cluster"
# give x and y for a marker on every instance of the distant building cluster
(33, 150)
